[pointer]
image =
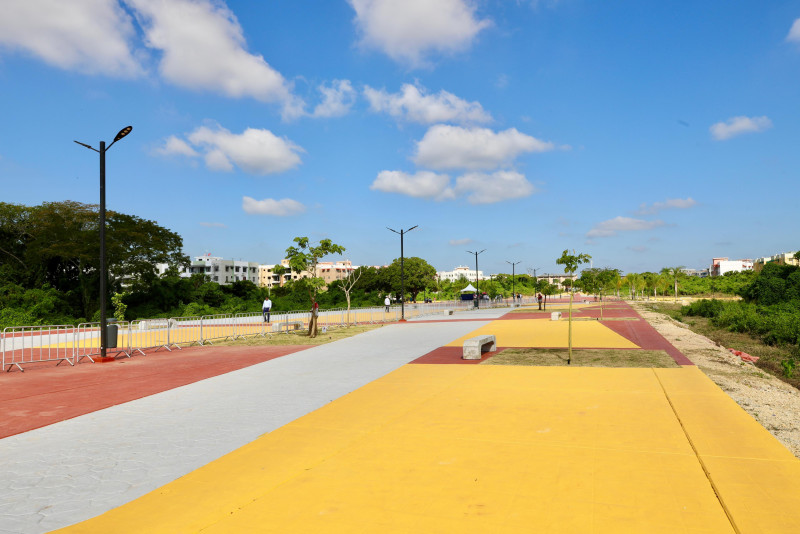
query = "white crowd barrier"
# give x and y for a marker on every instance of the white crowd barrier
(23, 345)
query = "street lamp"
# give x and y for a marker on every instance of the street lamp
(402, 273)
(477, 293)
(103, 333)
(513, 292)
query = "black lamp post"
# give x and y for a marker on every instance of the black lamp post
(402, 273)
(477, 292)
(103, 275)
(513, 291)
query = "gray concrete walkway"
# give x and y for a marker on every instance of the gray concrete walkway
(73, 470)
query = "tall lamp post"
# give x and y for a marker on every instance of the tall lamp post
(402, 273)
(477, 293)
(103, 274)
(513, 292)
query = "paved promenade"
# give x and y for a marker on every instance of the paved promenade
(347, 437)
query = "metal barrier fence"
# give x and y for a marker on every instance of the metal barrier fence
(86, 340)
(31, 344)
(185, 331)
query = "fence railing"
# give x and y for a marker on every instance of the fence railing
(21, 345)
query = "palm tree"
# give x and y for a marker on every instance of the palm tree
(674, 274)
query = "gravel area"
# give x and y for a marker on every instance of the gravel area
(773, 403)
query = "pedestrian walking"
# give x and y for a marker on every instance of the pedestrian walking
(539, 297)
(387, 303)
(265, 308)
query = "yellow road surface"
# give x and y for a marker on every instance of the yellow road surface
(475, 449)
(546, 333)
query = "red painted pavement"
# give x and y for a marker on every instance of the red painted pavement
(47, 395)
(452, 355)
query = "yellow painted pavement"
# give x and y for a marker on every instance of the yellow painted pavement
(449, 448)
(546, 333)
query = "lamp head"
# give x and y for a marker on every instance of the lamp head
(122, 133)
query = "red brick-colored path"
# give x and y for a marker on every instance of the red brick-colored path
(452, 355)
(47, 395)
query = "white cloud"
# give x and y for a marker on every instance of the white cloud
(613, 226)
(454, 147)
(412, 104)
(491, 188)
(255, 151)
(337, 99)
(794, 32)
(460, 242)
(739, 125)
(91, 36)
(670, 203)
(269, 206)
(174, 146)
(423, 184)
(203, 48)
(410, 30)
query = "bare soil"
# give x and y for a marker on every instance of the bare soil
(772, 402)
(583, 358)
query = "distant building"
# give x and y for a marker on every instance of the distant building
(556, 279)
(458, 272)
(700, 273)
(784, 258)
(720, 266)
(217, 269)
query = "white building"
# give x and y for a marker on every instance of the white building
(217, 269)
(460, 271)
(720, 266)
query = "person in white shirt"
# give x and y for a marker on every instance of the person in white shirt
(387, 303)
(265, 309)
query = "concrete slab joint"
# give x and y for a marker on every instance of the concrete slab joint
(473, 347)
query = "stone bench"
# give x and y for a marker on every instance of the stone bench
(287, 325)
(473, 347)
(555, 316)
(448, 312)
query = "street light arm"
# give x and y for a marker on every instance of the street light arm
(87, 146)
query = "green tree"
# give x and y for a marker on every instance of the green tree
(305, 257)
(571, 262)
(675, 274)
(419, 275)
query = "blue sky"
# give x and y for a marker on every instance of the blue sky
(647, 134)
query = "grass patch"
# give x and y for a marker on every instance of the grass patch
(299, 337)
(583, 358)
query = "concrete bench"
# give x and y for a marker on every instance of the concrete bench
(286, 326)
(155, 324)
(448, 312)
(555, 316)
(473, 347)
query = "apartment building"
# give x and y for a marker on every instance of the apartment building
(720, 266)
(217, 269)
(460, 271)
(784, 258)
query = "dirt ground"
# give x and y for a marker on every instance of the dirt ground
(773, 403)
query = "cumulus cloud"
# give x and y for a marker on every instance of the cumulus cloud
(174, 146)
(460, 242)
(794, 32)
(269, 206)
(483, 188)
(337, 99)
(670, 203)
(613, 226)
(478, 188)
(411, 30)
(423, 184)
(738, 126)
(203, 48)
(414, 105)
(91, 36)
(454, 147)
(255, 151)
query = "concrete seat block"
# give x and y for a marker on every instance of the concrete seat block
(473, 347)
